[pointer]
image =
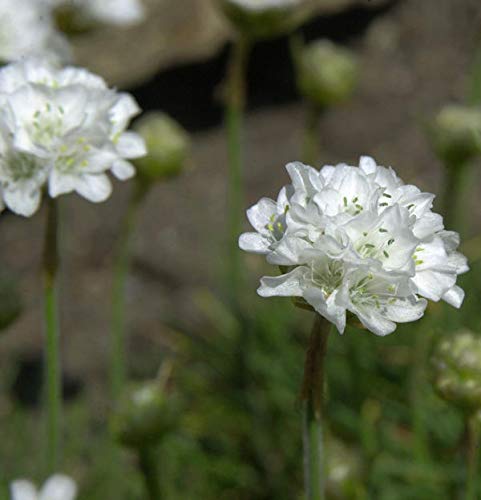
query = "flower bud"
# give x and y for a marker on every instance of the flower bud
(455, 134)
(168, 146)
(457, 370)
(327, 73)
(143, 416)
(261, 19)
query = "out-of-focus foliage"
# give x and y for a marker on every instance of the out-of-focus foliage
(238, 436)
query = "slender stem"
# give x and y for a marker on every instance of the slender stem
(118, 370)
(472, 458)
(418, 377)
(312, 396)
(234, 120)
(53, 371)
(456, 185)
(311, 134)
(149, 469)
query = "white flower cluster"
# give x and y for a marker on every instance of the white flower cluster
(27, 29)
(58, 487)
(358, 240)
(63, 129)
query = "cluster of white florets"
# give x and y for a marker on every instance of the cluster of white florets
(358, 240)
(63, 130)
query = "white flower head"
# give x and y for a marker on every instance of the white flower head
(63, 128)
(57, 487)
(27, 29)
(357, 240)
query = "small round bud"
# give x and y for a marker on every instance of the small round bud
(144, 415)
(457, 370)
(263, 19)
(327, 73)
(455, 134)
(168, 147)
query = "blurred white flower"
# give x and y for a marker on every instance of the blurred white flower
(260, 5)
(120, 12)
(64, 128)
(58, 487)
(356, 239)
(117, 12)
(27, 28)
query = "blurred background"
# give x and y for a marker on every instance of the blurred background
(390, 436)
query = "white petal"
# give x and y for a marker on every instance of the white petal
(95, 162)
(131, 145)
(123, 170)
(59, 183)
(122, 112)
(23, 201)
(367, 164)
(374, 322)
(59, 487)
(254, 242)
(288, 251)
(433, 284)
(459, 262)
(304, 177)
(260, 214)
(286, 285)
(327, 308)
(429, 224)
(23, 490)
(404, 311)
(95, 188)
(454, 296)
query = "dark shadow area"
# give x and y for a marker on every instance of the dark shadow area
(192, 93)
(27, 388)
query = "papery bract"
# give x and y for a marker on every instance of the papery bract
(358, 240)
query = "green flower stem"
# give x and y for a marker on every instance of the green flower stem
(418, 390)
(312, 396)
(472, 458)
(118, 370)
(53, 370)
(456, 184)
(149, 469)
(234, 121)
(311, 148)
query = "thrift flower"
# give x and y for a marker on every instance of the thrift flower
(26, 29)
(357, 240)
(64, 129)
(58, 487)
